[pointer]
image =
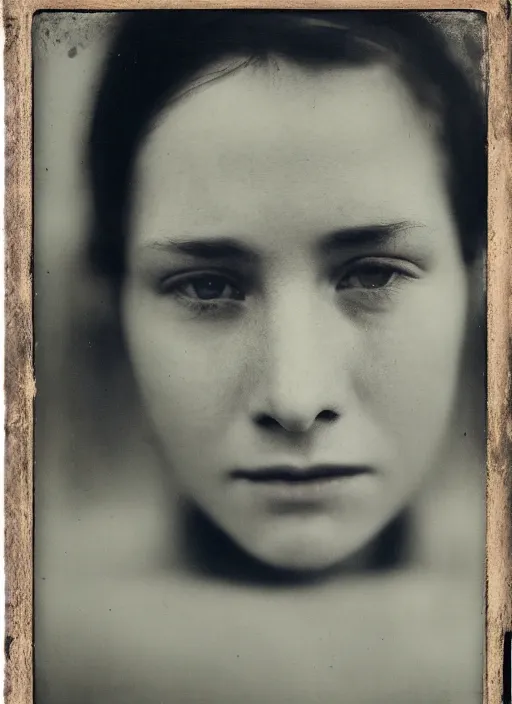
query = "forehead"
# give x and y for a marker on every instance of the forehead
(238, 104)
(272, 137)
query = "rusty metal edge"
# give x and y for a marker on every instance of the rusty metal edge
(19, 381)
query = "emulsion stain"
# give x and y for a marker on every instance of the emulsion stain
(7, 646)
(72, 52)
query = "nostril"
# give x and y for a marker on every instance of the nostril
(328, 416)
(266, 421)
(270, 422)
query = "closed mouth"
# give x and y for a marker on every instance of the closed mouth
(296, 475)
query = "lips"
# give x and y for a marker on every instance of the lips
(296, 475)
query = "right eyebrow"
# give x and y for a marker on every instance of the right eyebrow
(221, 248)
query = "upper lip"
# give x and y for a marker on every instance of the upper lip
(291, 474)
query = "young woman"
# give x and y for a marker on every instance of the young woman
(292, 224)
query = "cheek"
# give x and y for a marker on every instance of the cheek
(189, 375)
(412, 360)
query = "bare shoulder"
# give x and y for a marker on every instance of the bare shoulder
(172, 639)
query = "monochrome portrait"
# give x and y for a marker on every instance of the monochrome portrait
(260, 303)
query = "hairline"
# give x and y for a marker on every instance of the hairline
(431, 100)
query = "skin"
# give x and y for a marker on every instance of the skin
(198, 642)
(348, 352)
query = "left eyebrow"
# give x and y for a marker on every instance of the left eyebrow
(366, 235)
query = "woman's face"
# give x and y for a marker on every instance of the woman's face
(295, 304)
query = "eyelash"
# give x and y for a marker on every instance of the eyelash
(173, 286)
(398, 271)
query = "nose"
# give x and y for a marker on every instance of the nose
(302, 380)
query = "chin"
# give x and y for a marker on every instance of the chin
(310, 563)
(297, 547)
(304, 553)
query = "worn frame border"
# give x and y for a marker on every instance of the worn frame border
(19, 381)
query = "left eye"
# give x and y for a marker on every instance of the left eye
(209, 287)
(368, 276)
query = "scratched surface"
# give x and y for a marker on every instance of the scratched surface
(72, 37)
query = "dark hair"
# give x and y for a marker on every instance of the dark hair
(156, 54)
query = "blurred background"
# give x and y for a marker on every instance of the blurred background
(98, 502)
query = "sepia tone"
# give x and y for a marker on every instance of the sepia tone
(20, 387)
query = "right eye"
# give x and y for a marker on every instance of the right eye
(206, 287)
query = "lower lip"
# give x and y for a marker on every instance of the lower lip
(311, 492)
